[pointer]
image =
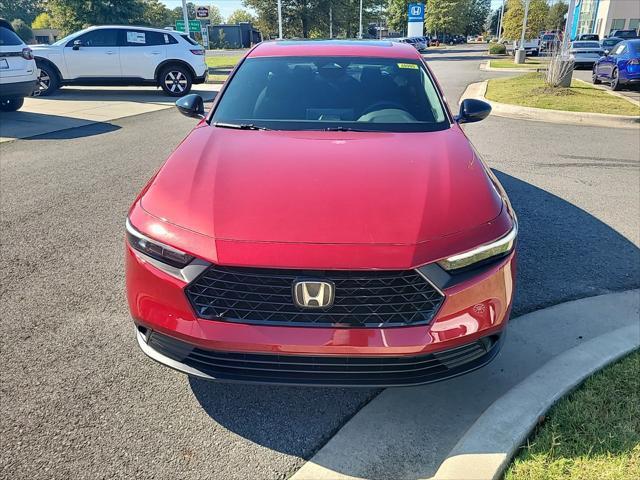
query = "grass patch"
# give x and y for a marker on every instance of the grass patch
(508, 63)
(221, 61)
(529, 90)
(593, 434)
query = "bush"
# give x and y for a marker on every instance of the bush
(497, 49)
(23, 30)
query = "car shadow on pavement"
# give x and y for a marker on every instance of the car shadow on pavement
(291, 420)
(39, 126)
(564, 253)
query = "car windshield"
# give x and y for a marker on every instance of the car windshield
(548, 37)
(609, 42)
(327, 93)
(585, 45)
(64, 40)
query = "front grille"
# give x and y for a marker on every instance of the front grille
(328, 370)
(362, 298)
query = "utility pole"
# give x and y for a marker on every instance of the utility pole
(279, 19)
(360, 32)
(521, 53)
(499, 32)
(568, 26)
(330, 20)
(185, 17)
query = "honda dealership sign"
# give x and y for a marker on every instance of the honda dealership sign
(415, 27)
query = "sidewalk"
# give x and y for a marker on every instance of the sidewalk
(73, 107)
(408, 433)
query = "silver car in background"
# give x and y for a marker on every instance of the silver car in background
(585, 53)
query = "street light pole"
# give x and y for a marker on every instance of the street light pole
(330, 20)
(568, 26)
(360, 32)
(185, 17)
(279, 19)
(521, 53)
(499, 32)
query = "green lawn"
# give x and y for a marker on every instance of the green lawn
(508, 63)
(593, 434)
(222, 61)
(529, 90)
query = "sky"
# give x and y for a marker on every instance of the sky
(228, 6)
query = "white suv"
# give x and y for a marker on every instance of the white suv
(18, 71)
(120, 55)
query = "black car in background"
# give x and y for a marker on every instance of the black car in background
(624, 34)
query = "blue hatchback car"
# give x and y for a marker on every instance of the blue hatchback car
(620, 67)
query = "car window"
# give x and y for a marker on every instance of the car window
(618, 49)
(104, 37)
(7, 37)
(585, 45)
(315, 93)
(144, 38)
(189, 39)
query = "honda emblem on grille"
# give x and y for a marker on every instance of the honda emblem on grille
(313, 293)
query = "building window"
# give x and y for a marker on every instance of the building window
(617, 24)
(634, 23)
(42, 39)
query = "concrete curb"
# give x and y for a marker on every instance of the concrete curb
(488, 446)
(486, 67)
(478, 91)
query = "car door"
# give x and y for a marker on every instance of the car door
(141, 52)
(606, 67)
(94, 54)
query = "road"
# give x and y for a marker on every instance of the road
(80, 401)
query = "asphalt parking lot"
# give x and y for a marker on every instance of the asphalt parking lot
(80, 401)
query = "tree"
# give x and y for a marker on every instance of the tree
(241, 15)
(26, 10)
(555, 18)
(397, 15)
(214, 15)
(310, 18)
(492, 22)
(513, 17)
(445, 16)
(42, 21)
(156, 14)
(476, 12)
(22, 30)
(72, 15)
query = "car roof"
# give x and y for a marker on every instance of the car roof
(130, 27)
(344, 48)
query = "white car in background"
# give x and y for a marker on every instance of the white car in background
(18, 70)
(122, 55)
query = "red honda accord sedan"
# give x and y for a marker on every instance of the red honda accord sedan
(326, 223)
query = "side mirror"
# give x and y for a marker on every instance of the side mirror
(472, 110)
(191, 106)
(77, 44)
(606, 53)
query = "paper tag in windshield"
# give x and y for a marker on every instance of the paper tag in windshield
(411, 66)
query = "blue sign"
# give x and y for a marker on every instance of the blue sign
(416, 12)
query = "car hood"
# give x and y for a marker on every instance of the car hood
(323, 187)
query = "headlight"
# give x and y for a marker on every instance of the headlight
(497, 248)
(157, 250)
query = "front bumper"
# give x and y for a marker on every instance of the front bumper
(477, 307)
(318, 370)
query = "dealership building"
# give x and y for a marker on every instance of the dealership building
(603, 16)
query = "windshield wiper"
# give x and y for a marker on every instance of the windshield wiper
(343, 129)
(240, 126)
